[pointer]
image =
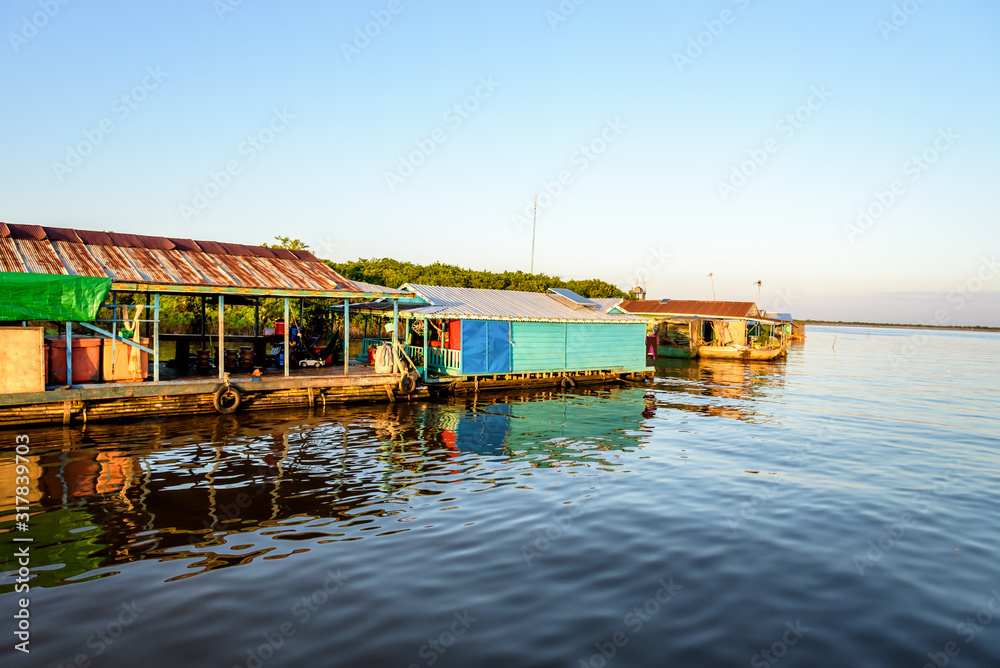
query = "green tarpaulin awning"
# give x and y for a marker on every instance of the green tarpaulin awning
(51, 296)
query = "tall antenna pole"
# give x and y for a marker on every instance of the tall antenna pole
(713, 286)
(534, 217)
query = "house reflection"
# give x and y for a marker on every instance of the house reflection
(721, 388)
(223, 491)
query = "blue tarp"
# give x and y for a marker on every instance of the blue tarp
(485, 347)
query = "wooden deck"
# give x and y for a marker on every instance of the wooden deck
(195, 394)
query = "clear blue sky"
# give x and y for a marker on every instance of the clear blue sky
(647, 199)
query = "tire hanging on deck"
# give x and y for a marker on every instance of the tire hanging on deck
(408, 383)
(227, 399)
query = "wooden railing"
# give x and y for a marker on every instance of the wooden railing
(438, 360)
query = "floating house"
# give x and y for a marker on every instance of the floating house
(74, 279)
(689, 328)
(463, 336)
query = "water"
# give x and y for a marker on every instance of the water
(838, 508)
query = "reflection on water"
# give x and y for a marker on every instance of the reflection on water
(723, 388)
(110, 494)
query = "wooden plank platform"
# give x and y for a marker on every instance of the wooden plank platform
(195, 395)
(505, 381)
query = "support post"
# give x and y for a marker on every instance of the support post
(203, 322)
(220, 355)
(256, 319)
(347, 333)
(69, 353)
(156, 337)
(395, 322)
(286, 338)
(427, 335)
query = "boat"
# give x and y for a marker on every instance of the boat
(746, 353)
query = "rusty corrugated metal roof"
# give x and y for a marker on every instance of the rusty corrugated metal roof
(138, 258)
(78, 259)
(26, 231)
(10, 259)
(707, 309)
(115, 263)
(179, 268)
(207, 267)
(148, 265)
(261, 268)
(94, 238)
(61, 234)
(243, 274)
(40, 257)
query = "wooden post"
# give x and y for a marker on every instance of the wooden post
(347, 333)
(286, 337)
(156, 337)
(69, 353)
(220, 356)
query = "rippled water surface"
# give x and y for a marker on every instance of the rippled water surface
(838, 508)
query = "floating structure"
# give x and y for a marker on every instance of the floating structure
(711, 329)
(469, 338)
(71, 277)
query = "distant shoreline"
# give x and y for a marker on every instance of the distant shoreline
(943, 328)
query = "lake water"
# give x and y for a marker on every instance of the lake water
(837, 508)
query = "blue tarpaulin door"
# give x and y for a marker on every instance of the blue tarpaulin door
(498, 347)
(473, 346)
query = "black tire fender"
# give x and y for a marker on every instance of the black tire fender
(567, 382)
(407, 383)
(227, 399)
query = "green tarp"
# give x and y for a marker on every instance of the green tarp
(51, 296)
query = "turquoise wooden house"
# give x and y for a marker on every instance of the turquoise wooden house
(475, 332)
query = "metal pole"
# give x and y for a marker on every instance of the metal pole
(534, 217)
(221, 355)
(286, 337)
(156, 337)
(427, 335)
(347, 333)
(395, 322)
(256, 319)
(69, 353)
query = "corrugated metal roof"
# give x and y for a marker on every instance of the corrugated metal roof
(605, 304)
(371, 287)
(707, 309)
(504, 305)
(138, 258)
(207, 267)
(78, 259)
(115, 263)
(10, 259)
(179, 268)
(148, 265)
(40, 257)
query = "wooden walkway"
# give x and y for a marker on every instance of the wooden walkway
(195, 394)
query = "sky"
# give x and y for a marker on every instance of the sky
(843, 154)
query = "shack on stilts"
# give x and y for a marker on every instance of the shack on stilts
(103, 290)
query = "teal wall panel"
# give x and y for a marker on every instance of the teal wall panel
(549, 346)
